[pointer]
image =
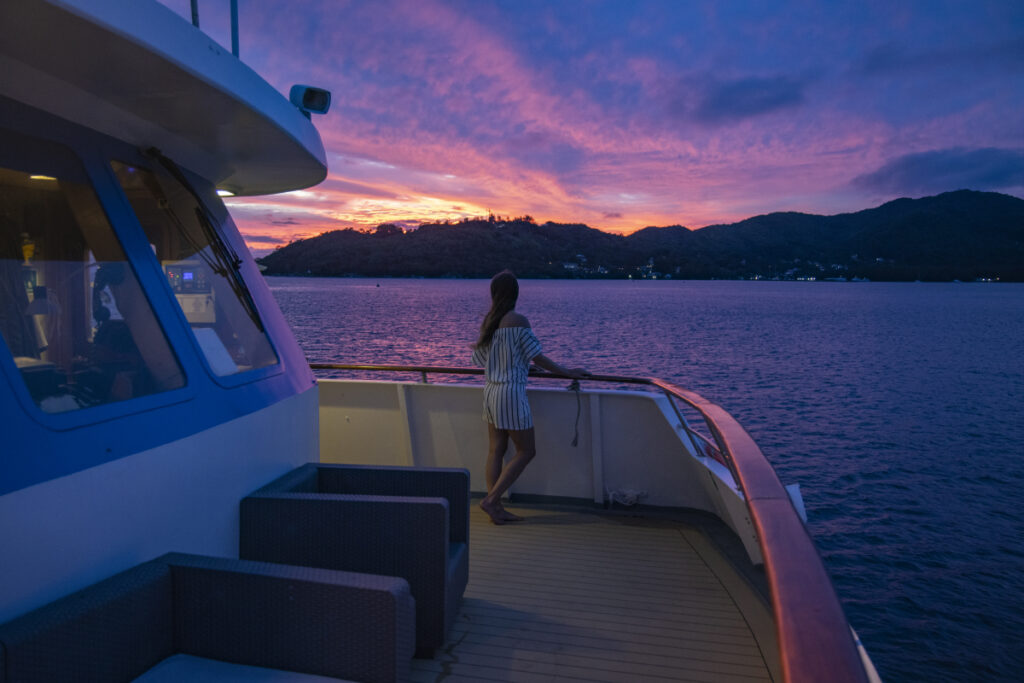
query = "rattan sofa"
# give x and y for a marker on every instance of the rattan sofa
(189, 617)
(397, 521)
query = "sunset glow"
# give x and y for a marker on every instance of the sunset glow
(624, 115)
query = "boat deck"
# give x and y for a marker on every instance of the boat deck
(582, 596)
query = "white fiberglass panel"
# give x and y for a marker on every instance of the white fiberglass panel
(70, 532)
(441, 425)
(628, 444)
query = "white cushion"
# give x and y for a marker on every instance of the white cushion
(178, 668)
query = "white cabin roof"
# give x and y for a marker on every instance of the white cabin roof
(135, 70)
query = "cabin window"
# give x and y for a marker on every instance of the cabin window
(201, 268)
(71, 309)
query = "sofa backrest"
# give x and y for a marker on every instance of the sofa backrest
(111, 631)
(303, 479)
(375, 480)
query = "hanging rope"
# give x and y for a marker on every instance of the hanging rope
(575, 386)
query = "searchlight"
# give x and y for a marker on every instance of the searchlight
(310, 100)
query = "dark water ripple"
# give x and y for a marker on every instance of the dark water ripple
(899, 408)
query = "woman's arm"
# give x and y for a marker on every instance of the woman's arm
(542, 361)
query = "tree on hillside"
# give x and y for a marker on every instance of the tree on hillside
(388, 229)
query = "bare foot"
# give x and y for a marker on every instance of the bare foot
(493, 511)
(509, 516)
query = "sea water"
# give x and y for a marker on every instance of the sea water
(898, 408)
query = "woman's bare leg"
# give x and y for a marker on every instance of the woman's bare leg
(526, 448)
(497, 446)
(495, 461)
(498, 439)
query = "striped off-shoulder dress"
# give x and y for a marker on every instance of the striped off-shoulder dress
(506, 364)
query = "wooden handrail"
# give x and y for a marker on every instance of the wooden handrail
(815, 639)
(440, 370)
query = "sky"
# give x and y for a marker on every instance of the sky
(625, 114)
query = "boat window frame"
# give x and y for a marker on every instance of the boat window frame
(205, 192)
(83, 144)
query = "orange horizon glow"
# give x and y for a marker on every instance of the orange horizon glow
(378, 193)
(315, 211)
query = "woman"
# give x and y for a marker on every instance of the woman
(505, 348)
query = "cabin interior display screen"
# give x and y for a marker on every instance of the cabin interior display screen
(201, 270)
(72, 312)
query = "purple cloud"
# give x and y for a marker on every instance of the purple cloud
(891, 57)
(725, 102)
(263, 239)
(948, 169)
(544, 151)
(353, 188)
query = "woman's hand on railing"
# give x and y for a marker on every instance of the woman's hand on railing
(545, 363)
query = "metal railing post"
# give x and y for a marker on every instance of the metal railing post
(234, 27)
(697, 450)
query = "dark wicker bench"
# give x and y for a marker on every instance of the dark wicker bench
(396, 521)
(249, 614)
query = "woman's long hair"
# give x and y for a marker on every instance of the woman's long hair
(504, 293)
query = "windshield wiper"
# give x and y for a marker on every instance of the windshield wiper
(226, 262)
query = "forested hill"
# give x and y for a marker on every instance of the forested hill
(963, 235)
